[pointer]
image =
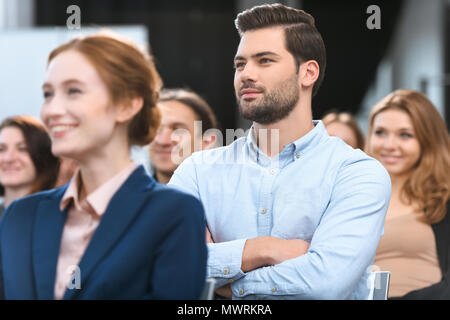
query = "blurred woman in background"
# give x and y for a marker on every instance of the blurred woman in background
(343, 125)
(27, 164)
(409, 137)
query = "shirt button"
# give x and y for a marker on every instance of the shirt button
(263, 211)
(241, 291)
(274, 289)
(297, 155)
(272, 171)
(226, 271)
(230, 280)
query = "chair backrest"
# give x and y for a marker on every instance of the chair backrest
(379, 285)
(208, 290)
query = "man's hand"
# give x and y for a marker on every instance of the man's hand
(269, 251)
(225, 291)
(264, 251)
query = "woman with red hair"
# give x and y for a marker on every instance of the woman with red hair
(113, 232)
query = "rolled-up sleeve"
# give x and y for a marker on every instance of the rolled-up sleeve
(343, 245)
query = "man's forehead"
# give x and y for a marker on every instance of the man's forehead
(262, 40)
(176, 112)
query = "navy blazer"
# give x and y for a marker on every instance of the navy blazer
(150, 244)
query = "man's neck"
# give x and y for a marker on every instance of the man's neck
(162, 177)
(272, 138)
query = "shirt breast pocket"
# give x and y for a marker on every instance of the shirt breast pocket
(298, 215)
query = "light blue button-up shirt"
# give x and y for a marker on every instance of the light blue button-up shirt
(317, 189)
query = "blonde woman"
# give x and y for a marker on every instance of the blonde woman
(409, 137)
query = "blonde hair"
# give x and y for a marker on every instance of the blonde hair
(429, 183)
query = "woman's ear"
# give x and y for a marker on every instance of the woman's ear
(127, 110)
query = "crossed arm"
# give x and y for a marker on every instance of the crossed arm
(264, 251)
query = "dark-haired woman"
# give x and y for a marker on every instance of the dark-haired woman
(27, 164)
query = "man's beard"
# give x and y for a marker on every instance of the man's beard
(275, 105)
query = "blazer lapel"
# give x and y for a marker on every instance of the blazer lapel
(48, 229)
(120, 213)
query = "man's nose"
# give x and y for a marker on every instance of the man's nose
(248, 73)
(164, 137)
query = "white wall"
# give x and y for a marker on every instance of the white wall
(416, 52)
(23, 58)
(16, 13)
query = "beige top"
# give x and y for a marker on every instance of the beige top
(83, 219)
(408, 250)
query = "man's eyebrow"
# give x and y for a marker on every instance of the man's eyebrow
(178, 124)
(264, 53)
(257, 55)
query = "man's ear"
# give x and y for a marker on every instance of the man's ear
(309, 73)
(128, 109)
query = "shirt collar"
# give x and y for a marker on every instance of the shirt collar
(99, 199)
(299, 146)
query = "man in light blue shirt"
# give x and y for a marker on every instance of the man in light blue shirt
(291, 212)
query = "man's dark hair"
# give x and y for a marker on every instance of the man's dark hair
(303, 40)
(191, 99)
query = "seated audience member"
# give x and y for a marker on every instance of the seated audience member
(299, 217)
(409, 137)
(343, 125)
(113, 232)
(177, 138)
(27, 164)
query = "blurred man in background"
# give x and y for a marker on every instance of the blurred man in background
(186, 119)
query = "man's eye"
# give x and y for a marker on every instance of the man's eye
(265, 60)
(239, 65)
(379, 132)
